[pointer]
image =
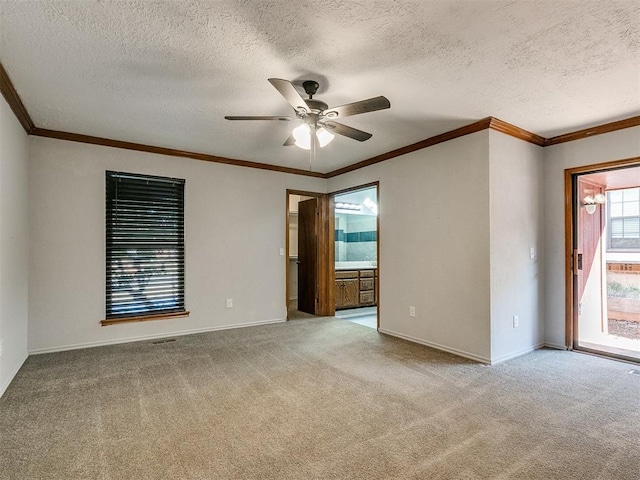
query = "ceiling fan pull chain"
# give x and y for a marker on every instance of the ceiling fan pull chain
(313, 144)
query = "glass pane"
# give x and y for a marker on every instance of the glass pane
(632, 227)
(631, 194)
(615, 209)
(616, 228)
(630, 209)
(615, 196)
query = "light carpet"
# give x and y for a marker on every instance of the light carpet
(316, 399)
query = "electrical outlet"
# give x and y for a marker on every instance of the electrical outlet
(516, 321)
(412, 311)
(229, 302)
(532, 253)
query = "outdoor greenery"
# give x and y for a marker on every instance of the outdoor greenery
(617, 290)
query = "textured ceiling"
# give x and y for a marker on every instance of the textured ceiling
(165, 73)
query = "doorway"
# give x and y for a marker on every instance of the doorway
(605, 260)
(308, 258)
(296, 305)
(356, 278)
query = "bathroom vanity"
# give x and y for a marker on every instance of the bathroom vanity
(355, 287)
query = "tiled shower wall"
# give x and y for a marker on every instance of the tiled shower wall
(356, 238)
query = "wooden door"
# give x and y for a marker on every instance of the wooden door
(307, 255)
(589, 260)
(589, 235)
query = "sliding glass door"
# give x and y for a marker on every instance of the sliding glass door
(606, 262)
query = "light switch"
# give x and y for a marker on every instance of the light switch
(532, 253)
(282, 252)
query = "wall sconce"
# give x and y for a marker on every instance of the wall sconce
(590, 202)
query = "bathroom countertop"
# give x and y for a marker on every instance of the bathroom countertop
(355, 266)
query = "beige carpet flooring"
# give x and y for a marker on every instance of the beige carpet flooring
(316, 399)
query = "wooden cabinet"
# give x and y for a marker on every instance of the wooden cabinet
(347, 289)
(355, 288)
(367, 287)
(377, 287)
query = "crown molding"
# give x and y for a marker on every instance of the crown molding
(517, 132)
(486, 123)
(13, 99)
(106, 142)
(427, 142)
(597, 130)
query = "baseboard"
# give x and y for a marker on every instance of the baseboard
(554, 346)
(519, 353)
(141, 338)
(14, 372)
(437, 346)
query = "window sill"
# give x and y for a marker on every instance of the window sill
(143, 318)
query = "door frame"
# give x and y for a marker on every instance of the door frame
(570, 202)
(333, 269)
(325, 305)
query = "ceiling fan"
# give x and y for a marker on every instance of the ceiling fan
(318, 120)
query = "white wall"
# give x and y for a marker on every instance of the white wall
(434, 244)
(13, 245)
(601, 148)
(516, 185)
(234, 229)
(444, 212)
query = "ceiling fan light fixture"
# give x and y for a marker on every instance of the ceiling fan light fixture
(324, 136)
(302, 134)
(316, 117)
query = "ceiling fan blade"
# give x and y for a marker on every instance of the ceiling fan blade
(258, 117)
(356, 108)
(290, 94)
(289, 141)
(341, 129)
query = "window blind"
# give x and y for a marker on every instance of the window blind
(144, 245)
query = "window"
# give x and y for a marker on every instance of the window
(624, 218)
(145, 245)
